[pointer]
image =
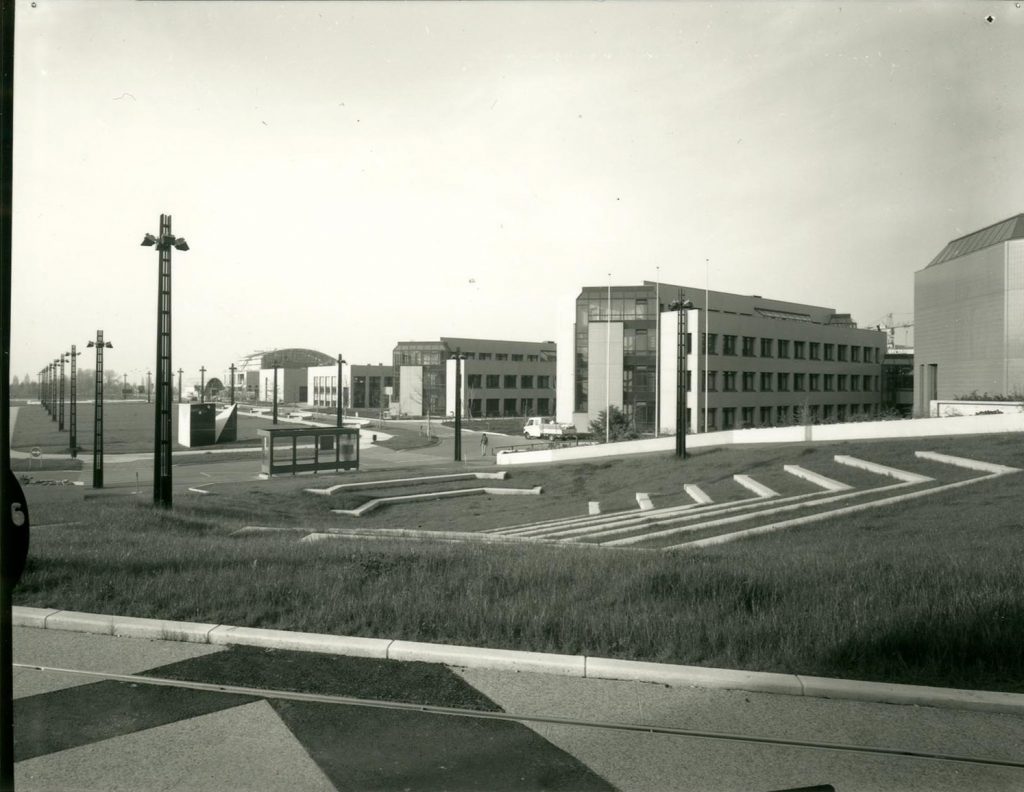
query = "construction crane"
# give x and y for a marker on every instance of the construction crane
(890, 327)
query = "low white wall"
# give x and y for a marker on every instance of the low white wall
(950, 408)
(866, 430)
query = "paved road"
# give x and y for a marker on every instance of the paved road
(88, 733)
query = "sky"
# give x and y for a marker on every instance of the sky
(349, 175)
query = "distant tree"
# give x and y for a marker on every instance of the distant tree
(620, 428)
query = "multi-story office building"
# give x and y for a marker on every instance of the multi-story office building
(499, 378)
(969, 317)
(751, 361)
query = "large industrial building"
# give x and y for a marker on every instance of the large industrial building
(499, 378)
(751, 361)
(969, 317)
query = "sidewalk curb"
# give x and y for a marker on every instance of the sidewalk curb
(514, 660)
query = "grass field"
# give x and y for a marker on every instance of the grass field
(127, 429)
(926, 592)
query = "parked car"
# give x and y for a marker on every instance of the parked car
(545, 429)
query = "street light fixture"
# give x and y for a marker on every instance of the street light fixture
(97, 431)
(162, 413)
(232, 367)
(202, 384)
(681, 306)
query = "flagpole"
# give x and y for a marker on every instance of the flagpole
(707, 319)
(657, 347)
(608, 366)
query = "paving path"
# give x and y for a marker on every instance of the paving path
(94, 733)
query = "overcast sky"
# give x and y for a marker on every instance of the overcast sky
(349, 175)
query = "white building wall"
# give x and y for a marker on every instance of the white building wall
(410, 397)
(328, 375)
(1014, 317)
(449, 387)
(604, 368)
(960, 327)
(565, 366)
(668, 346)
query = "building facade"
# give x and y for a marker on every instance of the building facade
(499, 378)
(749, 361)
(370, 387)
(969, 317)
(254, 374)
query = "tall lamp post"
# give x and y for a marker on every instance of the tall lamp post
(149, 384)
(53, 391)
(162, 418)
(232, 367)
(202, 384)
(124, 387)
(681, 306)
(74, 403)
(341, 392)
(60, 419)
(274, 394)
(180, 372)
(458, 404)
(97, 430)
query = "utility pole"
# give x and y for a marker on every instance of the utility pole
(74, 403)
(180, 372)
(681, 305)
(275, 393)
(149, 384)
(124, 388)
(53, 391)
(341, 392)
(232, 383)
(97, 431)
(162, 414)
(60, 420)
(202, 384)
(458, 404)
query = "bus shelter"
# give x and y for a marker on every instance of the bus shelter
(309, 449)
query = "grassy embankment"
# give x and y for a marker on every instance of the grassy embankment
(927, 592)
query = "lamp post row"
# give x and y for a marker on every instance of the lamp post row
(681, 305)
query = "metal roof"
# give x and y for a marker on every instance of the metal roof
(1011, 228)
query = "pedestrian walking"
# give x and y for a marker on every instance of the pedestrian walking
(483, 445)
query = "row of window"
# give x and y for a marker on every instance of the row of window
(494, 408)
(783, 415)
(785, 348)
(515, 358)
(415, 357)
(785, 381)
(508, 381)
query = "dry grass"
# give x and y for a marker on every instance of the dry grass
(927, 592)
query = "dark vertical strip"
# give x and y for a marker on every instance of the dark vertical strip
(6, 535)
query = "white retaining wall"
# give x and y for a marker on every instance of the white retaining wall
(866, 430)
(950, 408)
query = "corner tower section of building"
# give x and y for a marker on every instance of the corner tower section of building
(969, 317)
